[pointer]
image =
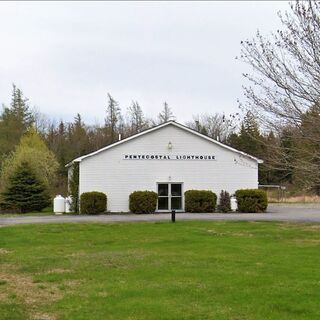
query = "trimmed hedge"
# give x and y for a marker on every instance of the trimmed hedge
(251, 200)
(143, 201)
(224, 202)
(200, 201)
(93, 202)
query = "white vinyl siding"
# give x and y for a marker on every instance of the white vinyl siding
(108, 172)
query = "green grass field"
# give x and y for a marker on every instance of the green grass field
(187, 270)
(45, 212)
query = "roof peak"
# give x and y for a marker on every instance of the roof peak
(161, 125)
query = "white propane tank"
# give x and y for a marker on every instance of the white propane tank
(67, 202)
(58, 204)
(234, 203)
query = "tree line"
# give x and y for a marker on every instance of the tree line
(26, 135)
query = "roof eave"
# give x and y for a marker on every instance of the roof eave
(69, 164)
(179, 125)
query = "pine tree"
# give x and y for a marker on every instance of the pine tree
(20, 108)
(14, 121)
(78, 138)
(306, 151)
(249, 139)
(25, 191)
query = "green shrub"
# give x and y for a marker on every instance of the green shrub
(251, 200)
(143, 201)
(93, 202)
(200, 201)
(224, 202)
(24, 192)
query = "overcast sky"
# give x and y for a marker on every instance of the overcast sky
(66, 56)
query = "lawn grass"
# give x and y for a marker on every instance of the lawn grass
(187, 270)
(45, 212)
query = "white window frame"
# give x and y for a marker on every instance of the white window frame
(169, 183)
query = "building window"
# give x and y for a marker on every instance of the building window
(170, 196)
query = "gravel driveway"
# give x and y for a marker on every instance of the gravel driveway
(293, 213)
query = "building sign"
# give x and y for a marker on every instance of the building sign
(201, 157)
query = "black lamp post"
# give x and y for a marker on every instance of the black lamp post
(173, 215)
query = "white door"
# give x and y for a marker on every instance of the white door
(170, 196)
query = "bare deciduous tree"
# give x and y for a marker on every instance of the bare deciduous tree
(136, 118)
(286, 81)
(113, 118)
(285, 86)
(166, 114)
(217, 126)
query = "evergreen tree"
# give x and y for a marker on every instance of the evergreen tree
(61, 152)
(25, 191)
(287, 154)
(306, 150)
(251, 141)
(74, 187)
(78, 138)
(269, 173)
(20, 108)
(250, 136)
(14, 121)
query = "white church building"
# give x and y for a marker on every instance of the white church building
(168, 159)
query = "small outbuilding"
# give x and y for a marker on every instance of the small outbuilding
(169, 159)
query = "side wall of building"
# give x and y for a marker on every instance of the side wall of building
(109, 172)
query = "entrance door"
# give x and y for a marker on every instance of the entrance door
(169, 196)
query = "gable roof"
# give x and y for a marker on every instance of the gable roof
(171, 122)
